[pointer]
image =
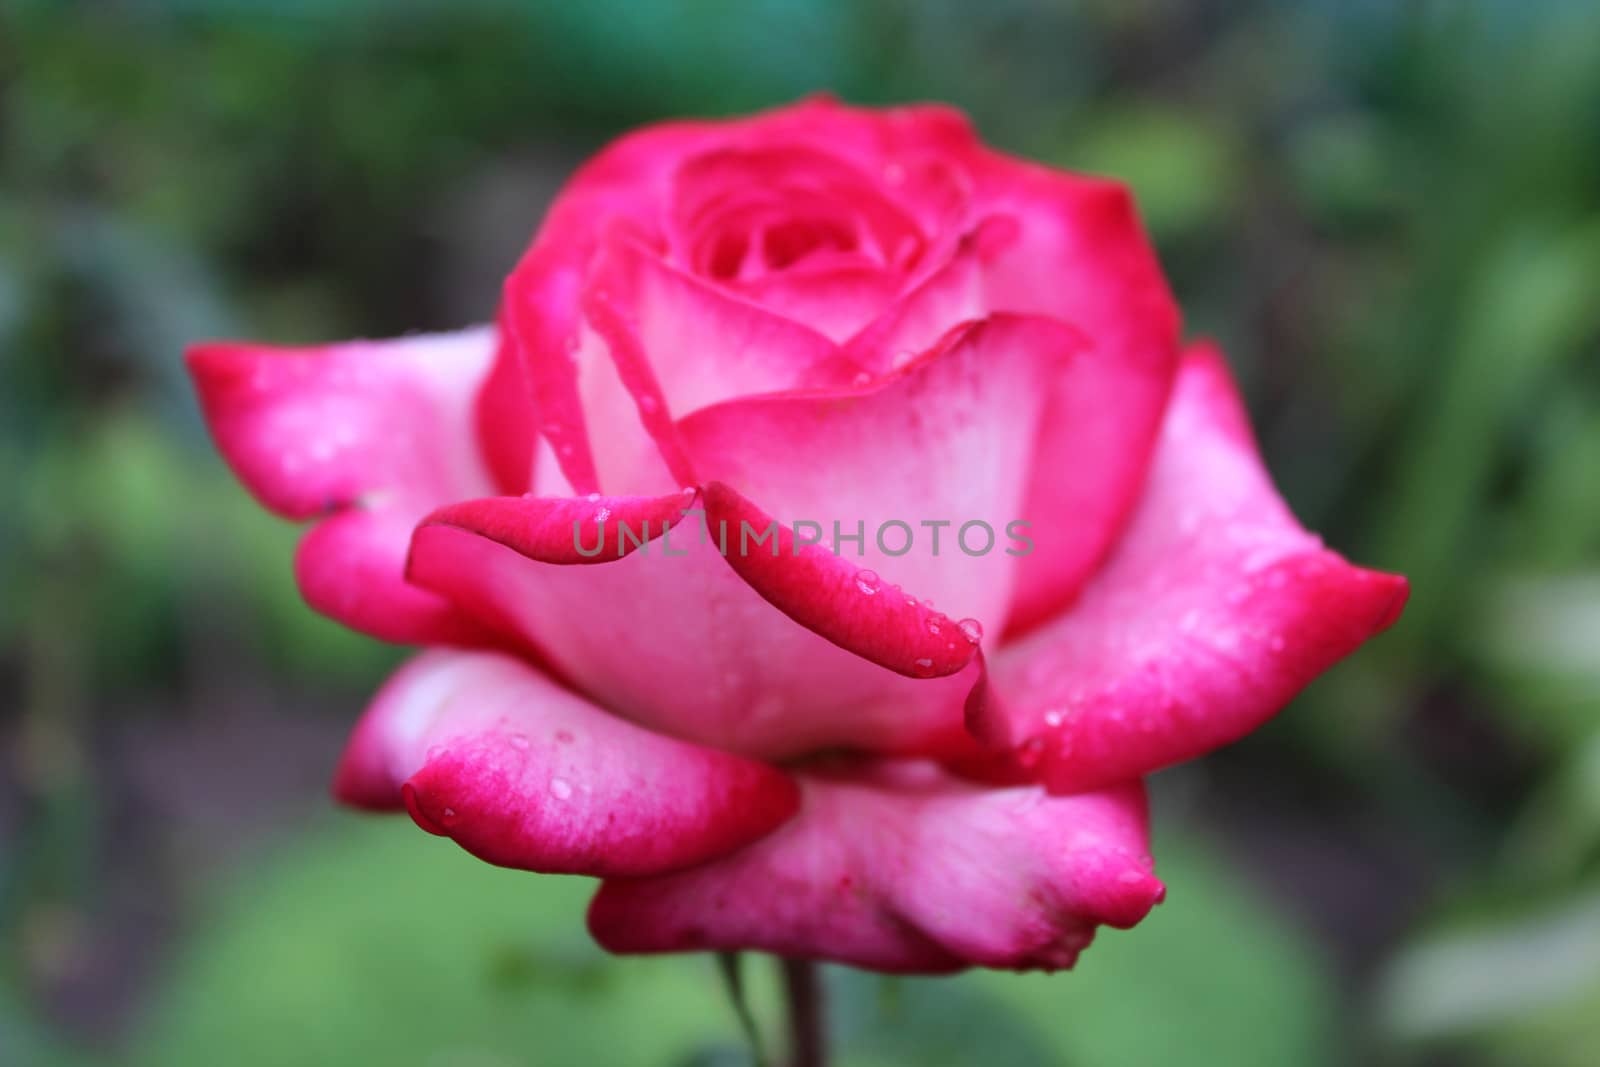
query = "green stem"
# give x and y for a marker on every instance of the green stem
(802, 985)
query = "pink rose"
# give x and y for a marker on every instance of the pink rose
(759, 329)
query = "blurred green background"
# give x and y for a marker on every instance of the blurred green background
(1389, 214)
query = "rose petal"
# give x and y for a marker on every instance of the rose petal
(1215, 611)
(900, 868)
(625, 183)
(379, 432)
(948, 440)
(672, 637)
(951, 294)
(662, 343)
(508, 427)
(630, 182)
(483, 749)
(351, 567)
(1081, 255)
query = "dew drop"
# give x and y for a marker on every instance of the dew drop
(861, 379)
(924, 663)
(448, 816)
(593, 498)
(560, 788)
(867, 582)
(1053, 718)
(972, 628)
(933, 627)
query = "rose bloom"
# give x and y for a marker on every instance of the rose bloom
(816, 314)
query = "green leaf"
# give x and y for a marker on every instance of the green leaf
(371, 942)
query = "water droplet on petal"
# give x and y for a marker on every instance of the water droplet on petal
(924, 663)
(972, 628)
(867, 582)
(593, 498)
(1053, 718)
(861, 380)
(560, 788)
(447, 816)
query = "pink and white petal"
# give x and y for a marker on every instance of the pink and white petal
(308, 430)
(482, 748)
(1081, 255)
(373, 434)
(633, 442)
(625, 184)
(632, 601)
(679, 344)
(704, 344)
(901, 868)
(656, 342)
(351, 568)
(951, 294)
(948, 439)
(1215, 611)
(834, 302)
(630, 182)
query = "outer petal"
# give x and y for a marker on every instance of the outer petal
(671, 636)
(947, 440)
(1081, 255)
(352, 567)
(899, 868)
(521, 773)
(1215, 611)
(379, 432)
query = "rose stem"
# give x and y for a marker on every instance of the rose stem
(802, 983)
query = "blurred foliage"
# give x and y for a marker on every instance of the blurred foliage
(454, 961)
(1388, 213)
